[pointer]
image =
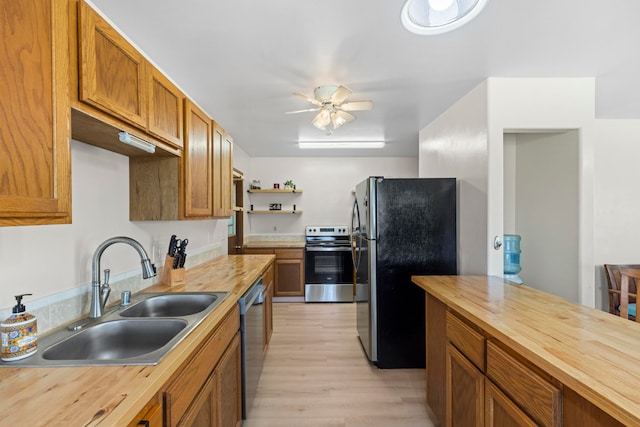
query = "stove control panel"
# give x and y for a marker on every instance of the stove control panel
(322, 230)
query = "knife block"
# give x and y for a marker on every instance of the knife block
(171, 276)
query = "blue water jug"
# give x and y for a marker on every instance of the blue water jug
(512, 254)
(512, 257)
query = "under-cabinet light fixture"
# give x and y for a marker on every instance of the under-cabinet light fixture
(139, 143)
(340, 144)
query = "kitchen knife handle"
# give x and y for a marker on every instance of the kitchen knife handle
(172, 245)
(176, 261)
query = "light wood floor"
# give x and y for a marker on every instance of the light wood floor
(316, 375)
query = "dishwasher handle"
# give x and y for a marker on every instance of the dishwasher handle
(252, 297)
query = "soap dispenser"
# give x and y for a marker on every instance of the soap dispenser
(19, 333)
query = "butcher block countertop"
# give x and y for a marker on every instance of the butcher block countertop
(285, 244)
(590, 351)
(113, 395)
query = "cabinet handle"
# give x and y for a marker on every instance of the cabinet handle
(144, 423)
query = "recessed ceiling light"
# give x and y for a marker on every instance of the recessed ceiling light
(427, 17)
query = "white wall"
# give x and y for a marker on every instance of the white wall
(327, 184)
(44, 260)
(546, 210)
(467, 142)
(543, 104)
(616, 201)
(455, 145)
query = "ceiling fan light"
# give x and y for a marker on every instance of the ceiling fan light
(322, 120)
(337, 120)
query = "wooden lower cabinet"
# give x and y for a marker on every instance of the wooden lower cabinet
(465, 391)
(219, 402)
(289, 270)
(289, 278)
(485, 384)
(500, 411)
(207, 391)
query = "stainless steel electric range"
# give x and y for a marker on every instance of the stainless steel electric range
(328, 264)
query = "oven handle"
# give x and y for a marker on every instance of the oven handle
(328, 249)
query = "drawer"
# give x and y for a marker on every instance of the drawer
(468, 341)
(290, 253)
(258, 251)
(540, 399)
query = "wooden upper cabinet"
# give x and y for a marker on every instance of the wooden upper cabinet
(222, 172)
(165, 108)
(112, 73)
(197, 165)
(35, 172)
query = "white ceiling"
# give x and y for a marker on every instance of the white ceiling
(241, 60)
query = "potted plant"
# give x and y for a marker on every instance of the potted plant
(289, 184)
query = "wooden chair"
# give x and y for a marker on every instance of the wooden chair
(615, 285)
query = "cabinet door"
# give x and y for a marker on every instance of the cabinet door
(229, 382)
(289, 280)
(500, 411)
(465, 391)
(227, 174)
(112, 72)
(202, 412)
(197, 163)
(222, 172)
(268, 312)
(35, 173)
(165, 108)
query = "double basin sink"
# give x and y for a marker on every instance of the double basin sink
(141, 333)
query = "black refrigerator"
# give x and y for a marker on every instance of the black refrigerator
(400, 227)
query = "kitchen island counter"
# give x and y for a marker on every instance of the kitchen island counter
(114, 395)
(593, 357)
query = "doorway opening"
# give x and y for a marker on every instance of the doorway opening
(236, 221)
(541, 185)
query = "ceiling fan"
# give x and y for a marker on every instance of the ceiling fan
(330, 102)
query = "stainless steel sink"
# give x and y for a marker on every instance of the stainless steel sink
(139, 334)
(171, 305)
(116, 339)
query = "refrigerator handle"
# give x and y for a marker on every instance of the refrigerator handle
(355, 255)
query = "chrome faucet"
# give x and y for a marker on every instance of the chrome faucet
(100, 293)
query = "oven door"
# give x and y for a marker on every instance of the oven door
(328, 264)
(328, 274)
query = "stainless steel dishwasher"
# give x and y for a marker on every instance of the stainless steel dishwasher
(252, 343)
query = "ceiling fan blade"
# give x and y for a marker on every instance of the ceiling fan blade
(357, 106)
(302, 111)
(345, 116)
(340, 95)
(306, 98)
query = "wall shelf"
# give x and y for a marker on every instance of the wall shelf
(276, 190)
(274, 212)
